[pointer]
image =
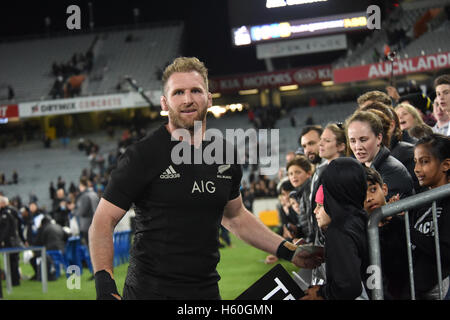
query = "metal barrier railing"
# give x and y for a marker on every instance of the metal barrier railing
(429, 196)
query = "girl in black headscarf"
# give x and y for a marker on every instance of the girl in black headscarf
(346, 251)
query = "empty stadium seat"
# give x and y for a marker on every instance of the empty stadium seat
(114, 58)
(72, 254)
(77, 254)
(58, 261)
(122, 243)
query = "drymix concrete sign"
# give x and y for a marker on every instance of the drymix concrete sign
(75, 105)
(85, 104)
(398, 67)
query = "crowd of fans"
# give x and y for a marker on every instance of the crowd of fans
(28, 223)
(390, 148)
(339, 175)
(70, 75)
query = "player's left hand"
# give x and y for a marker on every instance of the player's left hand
(308, 259)
(311, 294)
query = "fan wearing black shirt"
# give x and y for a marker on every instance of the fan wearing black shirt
(179, 206)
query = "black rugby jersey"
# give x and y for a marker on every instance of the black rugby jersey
(178, 209)
(424, 250)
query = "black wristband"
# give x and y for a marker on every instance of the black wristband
(286, 250)
(105, 286)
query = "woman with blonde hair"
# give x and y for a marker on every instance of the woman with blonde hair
(408, 115)
(333, 143)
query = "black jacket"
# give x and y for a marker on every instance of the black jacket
(308, 204)
(304, 226)
(394, 174)
(61, 214)
(404, 152)
(9, 231)
(407, 138)
(422, 238)
(346, 248)
(51, 235)
(394, 259)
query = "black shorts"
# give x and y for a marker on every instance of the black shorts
(132, 293)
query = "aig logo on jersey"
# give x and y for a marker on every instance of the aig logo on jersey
(202, 187)
(170, 173)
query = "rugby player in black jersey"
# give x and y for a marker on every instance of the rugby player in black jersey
(179, 207)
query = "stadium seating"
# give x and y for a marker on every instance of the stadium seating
(430, 42)
(72, 255)
(140, 58)
(149, 50)
(122, 242)
(58, 261)
(363, 53)
(39, 54)
(38, 166)
(323, 114)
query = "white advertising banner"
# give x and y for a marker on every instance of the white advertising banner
(301, 46)
(86, 104)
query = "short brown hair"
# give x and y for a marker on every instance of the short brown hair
(84, 181)
(388, 111)
(185, 64)
(300, 161)
(365, 116)
(374, 95)
(386, 122)
(317, 128)
(443, 79)
(420, 131)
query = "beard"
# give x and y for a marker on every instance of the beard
(181, 123)
(314, 158)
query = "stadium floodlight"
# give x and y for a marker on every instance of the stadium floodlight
(248, 92)
(290, 87)
(283, 3)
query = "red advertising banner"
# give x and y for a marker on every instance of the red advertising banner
(400, 67)
(304, 76)
(9, 111)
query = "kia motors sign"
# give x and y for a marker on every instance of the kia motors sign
(304, 76)
(398, 67)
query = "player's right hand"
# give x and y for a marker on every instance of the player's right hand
(105, 286)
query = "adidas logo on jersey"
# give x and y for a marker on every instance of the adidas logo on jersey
(170, 173)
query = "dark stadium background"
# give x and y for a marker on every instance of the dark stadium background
(207, 25)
